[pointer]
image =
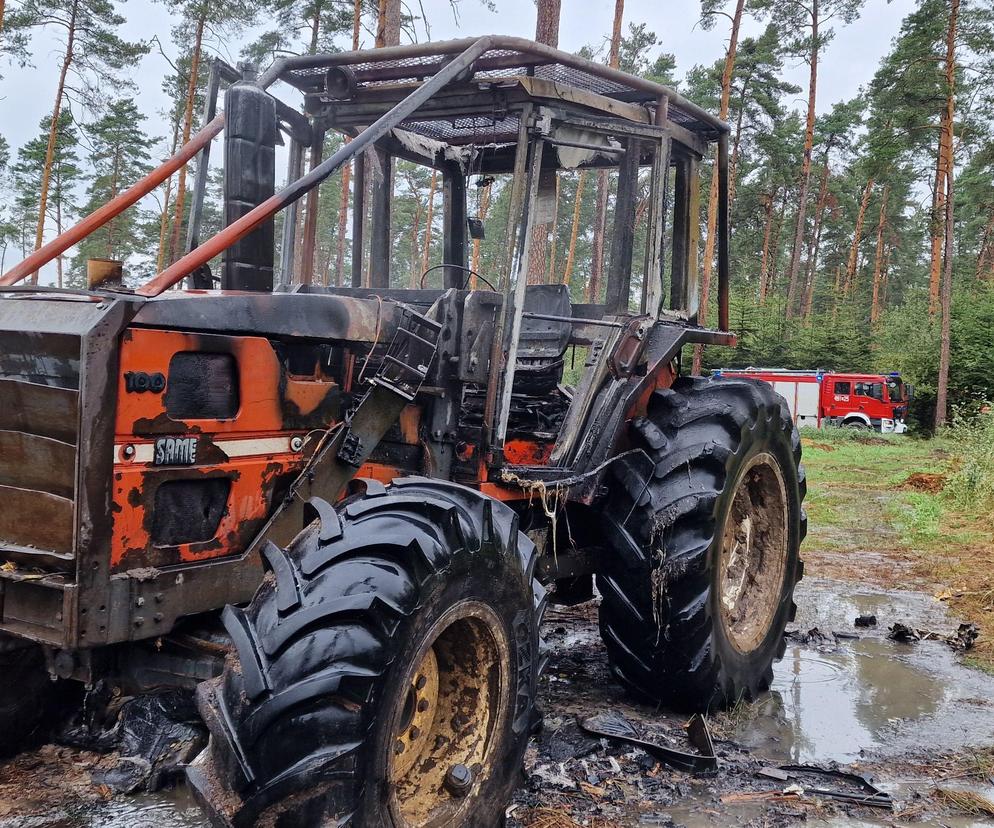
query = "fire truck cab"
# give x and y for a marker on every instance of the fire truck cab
(878, 402)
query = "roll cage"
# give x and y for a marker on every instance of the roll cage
(496, 105)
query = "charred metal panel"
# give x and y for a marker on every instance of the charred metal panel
(201, 385)
(36, 519)
(34, 610)
(249, 179)
(188, 511)
(279, 315)
(37, 463)
(45, 410)
(40, 347)
(476, 335)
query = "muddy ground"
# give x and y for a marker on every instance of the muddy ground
(912, 716)
(907, 714)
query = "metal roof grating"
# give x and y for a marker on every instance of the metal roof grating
(494, 64)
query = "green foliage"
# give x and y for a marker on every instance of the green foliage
(99, 55)
(120, 155)
(26, 175)
(301, 26)
(972, 485)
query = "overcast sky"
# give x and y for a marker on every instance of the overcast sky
(848, 63)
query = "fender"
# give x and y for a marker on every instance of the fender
(856, 415)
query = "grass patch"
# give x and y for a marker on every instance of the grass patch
(867, 495)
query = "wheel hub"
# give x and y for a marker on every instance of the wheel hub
(417, 716)
(445, 726)
(754, 553)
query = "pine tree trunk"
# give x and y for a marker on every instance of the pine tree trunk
(597, 251)
(809, 140)
(575, 229)
(412, 282)
(53, 131)
(191, 96)
(857, 238)
(733, 160)
(709, 244)
(3, 6)
(547, 32)
(426, 258)
(58, 225)
(343, 207)
(884, 277)
(937, 220)
(388, 24)
(547, 22)
(814, 248)
(475, 260)
(983, 259)
(764, 264)
(942, 388)
(878, 258)
(315, 27)
(551, 276)
(160, 259)
(603, 185)
(778, 226)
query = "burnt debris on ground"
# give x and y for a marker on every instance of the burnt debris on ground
(908, 717)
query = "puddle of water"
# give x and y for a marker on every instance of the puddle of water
(869, 696)
(836, 705)
(166, 809)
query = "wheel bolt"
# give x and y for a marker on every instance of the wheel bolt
(423, 705)
(420, 683)
(398, 747)
(459, 780)
(415, 733)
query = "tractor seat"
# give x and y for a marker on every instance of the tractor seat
(543, 342)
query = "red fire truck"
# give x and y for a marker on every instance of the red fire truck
(816, 398)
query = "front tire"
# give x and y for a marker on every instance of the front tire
(25, 693)
(386, 670)
(703, 534)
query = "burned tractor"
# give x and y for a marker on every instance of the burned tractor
(378, 489)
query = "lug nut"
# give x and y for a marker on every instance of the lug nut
(423, 705)
(398, 747)
(420, 683)
(459, 780)
(415, 733)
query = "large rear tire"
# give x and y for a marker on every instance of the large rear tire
(702, 550)
(386, 670)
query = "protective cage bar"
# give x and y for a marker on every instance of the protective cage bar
(491, 57)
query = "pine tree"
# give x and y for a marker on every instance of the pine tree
(804, 24)
(34, 160)
(120, 155)
(709, 10)
(200, 22)
(93, 54)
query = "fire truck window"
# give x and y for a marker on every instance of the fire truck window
(870, 389)
(843, 388)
